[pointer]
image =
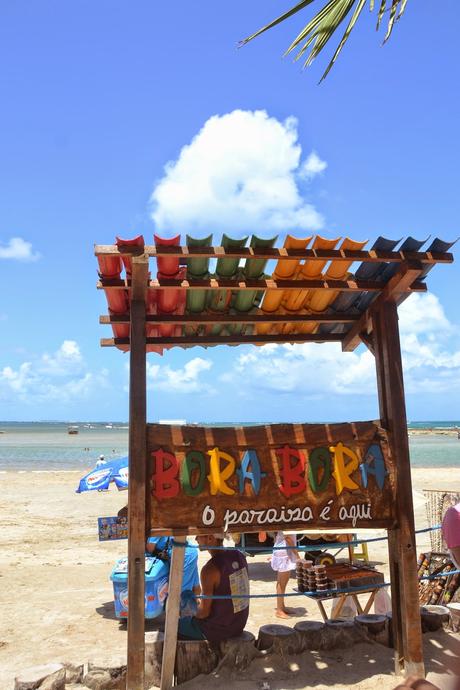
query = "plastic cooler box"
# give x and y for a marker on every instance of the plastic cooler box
(156, 587)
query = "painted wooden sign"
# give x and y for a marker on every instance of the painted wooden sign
(280, 476)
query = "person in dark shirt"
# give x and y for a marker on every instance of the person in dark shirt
(226, 573)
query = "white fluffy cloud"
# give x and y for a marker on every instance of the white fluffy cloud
(183, 380)
(422, 313)
(60, 377)
(313, 166)
(66, 360)
(431, 364)
(18, 249)
(240, 173)
(308, 369)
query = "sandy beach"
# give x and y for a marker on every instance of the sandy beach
(56, 598)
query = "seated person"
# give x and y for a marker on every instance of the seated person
(226, 573)
(190, 579)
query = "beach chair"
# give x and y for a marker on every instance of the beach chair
(359, 554)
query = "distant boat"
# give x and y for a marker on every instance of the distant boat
(109, 426)
(72, 430)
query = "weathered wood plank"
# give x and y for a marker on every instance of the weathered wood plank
(172, 617)
(185, 340)
(402, 545)
(137, 477)
(267, 477)
(233, 318)
(372, 256)
(393, 550)
(262, 284)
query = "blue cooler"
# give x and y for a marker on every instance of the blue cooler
(156, 587)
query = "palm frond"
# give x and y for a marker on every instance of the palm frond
(383, 5)
(300, 6)
(324, 15)
(353, 20)
(328, 27)
(319, 30)
(403, 7)
(391, 21)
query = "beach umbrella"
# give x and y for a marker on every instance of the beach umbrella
(100, 477)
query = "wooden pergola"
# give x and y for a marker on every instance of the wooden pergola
(371, 319)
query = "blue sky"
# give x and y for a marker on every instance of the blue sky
(97, 98)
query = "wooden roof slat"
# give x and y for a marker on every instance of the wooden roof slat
(354, 285)
(396, 289)
(230, 339)
(233, 318)
(372, 255)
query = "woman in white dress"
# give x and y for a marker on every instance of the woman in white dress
(283, 561)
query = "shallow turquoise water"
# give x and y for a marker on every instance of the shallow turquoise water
(40, 446)
(434, 451)
(47, 446)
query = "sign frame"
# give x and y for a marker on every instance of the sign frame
(256, 478)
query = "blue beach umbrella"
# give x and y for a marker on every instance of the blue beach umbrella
(100, 477)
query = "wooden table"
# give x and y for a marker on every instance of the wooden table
(372, 591)
(355, 580)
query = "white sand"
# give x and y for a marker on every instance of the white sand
(56, 600)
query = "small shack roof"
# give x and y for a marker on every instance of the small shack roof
(256, 292)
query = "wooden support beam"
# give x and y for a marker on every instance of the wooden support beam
(370, 256)
(368, 341)
(265, 284)
(203, 340)
(217, 317)
(401, 540)
(396, 290)
(137, 477)
(172, 616)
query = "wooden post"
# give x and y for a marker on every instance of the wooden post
(137, 477)
(393, 553)
(401, 540)
(172, 616)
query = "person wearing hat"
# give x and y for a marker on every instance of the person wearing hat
(225, 574)
(101, 461)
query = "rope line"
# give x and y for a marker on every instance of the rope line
(325, 593)
(309, 547)
(438, 575)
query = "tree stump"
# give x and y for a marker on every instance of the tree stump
(376, 627)
(53, 675)
(454, 616)
(106, 672)
(238, 652)
(342, 633)
(310, 634)
(279, 639)
(153, 656)
(431, 621)
(192, 658)
(73, 673)
(441, 611)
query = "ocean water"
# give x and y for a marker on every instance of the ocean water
(47, 446)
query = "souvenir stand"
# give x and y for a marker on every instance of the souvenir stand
(357, 475)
